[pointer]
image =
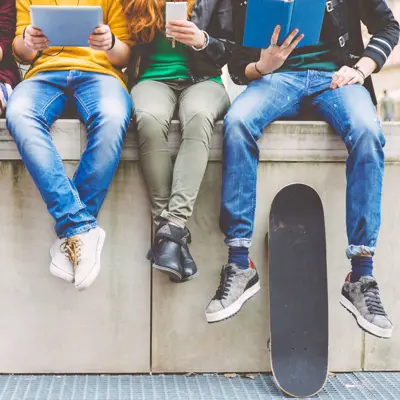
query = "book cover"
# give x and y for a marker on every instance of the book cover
(264, 15)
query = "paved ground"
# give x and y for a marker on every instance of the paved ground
(357, 386)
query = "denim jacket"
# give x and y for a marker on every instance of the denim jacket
(212, 16)
(344, 17)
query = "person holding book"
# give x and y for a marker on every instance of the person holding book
(176, 70)
(9, 74)
(333, 78)
(89, 78)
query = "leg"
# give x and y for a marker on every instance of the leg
(104, 106)
(200, 105)
(35, 104)
(350, 112)
(154, 106)
(273, 97)
(352, 115)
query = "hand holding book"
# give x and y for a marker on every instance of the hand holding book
(273, 57)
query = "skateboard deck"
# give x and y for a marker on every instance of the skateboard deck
(298, 291)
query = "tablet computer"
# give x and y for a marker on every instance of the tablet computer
(66, 26)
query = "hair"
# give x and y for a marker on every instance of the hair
(146, 17)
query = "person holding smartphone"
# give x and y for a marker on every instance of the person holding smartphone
(176, 70)
(90, 78)
(9, 74)
(333, 79)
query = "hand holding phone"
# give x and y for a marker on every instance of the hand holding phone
(175, 12)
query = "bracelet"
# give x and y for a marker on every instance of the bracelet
(112, 41)
(206, 42)
(258, 71)
(357, 68)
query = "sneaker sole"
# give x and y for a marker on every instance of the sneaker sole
(91, 277)
(363, 323)
(189, 278)
(234, 308)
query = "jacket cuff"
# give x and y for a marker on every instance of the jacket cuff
(378, 58)
(379, 50)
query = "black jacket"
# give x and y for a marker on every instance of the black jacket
(343, 19)
(212, 16)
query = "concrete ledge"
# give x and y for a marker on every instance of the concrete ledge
(133, 320)
(282, 141)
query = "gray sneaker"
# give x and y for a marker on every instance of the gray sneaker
(236, 287)
(362, 299)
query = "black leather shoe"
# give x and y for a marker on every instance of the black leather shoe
(189, 267)
(165, 253)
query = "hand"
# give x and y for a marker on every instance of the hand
(101, 38)
(35, 40)
(274, 56)
(186, 32)
(346, 76)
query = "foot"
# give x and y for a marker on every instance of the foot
(362, 299)
(165, 253)
(236, 287)
(84, 252)
(60, 265)
(188, 266)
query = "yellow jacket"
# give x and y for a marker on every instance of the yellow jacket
(79, 58)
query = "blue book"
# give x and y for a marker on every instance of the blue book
(264, 15)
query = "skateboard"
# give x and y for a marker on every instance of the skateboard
(296, 250)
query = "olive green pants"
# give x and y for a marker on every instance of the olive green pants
(173, 188)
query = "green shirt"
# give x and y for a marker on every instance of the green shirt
(319, 57)
(167, 62)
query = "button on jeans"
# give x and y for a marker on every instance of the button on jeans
(351, 113)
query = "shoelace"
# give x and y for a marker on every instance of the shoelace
(372, 298)
(227, 274)
(72, 248)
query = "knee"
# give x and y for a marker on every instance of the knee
(151, 128)
(237, 127)
(365, 135)
(200, 127)
(114, 115)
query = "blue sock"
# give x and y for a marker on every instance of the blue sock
(239, 256)
(360, 266)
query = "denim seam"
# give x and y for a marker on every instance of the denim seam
(47, 105)
(82, 104)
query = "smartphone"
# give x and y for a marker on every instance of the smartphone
(175, 12)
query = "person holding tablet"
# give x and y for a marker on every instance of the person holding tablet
(329, 77)
(9, 74)
(176, 67)
(89, 78)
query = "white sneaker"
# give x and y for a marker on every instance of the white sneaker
(61, 266)
(84, 251)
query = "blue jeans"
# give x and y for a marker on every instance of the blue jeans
(351, 113)
(104, 106)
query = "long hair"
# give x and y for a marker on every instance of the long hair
(146, 17)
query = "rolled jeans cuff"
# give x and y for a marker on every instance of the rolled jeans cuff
(238, 242)
(361, 250)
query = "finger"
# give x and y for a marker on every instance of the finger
(294, 44)
(275, 35)
(34, 31)
(353, 81)
(101, 48)
(345, 81)
(101, 30)
(182, 30)
(99, 40)
(182, 23)
(290, 38)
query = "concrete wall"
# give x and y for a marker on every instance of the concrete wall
(134, 319)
